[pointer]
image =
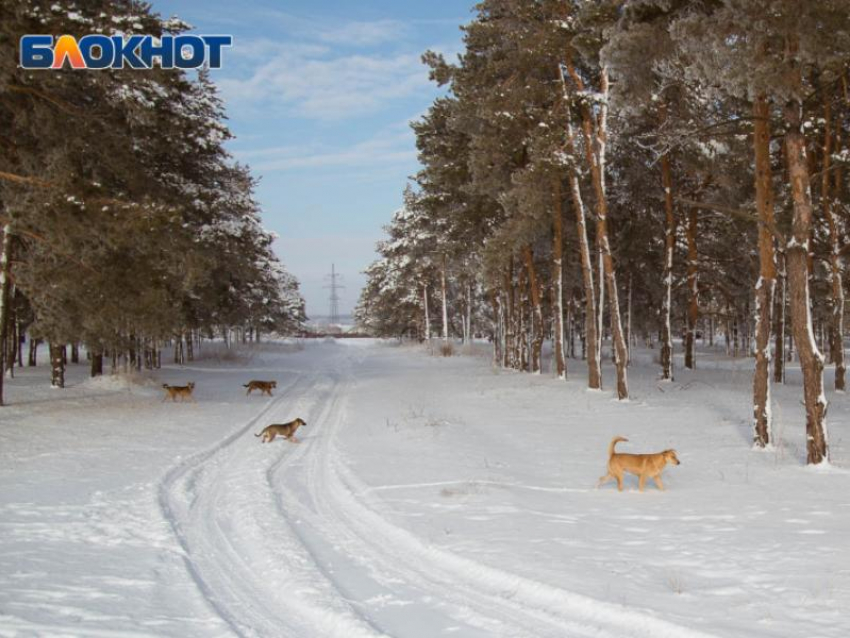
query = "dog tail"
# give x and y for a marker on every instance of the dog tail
(613, 444)
(260, 434)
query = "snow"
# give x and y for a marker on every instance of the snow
(429, 496)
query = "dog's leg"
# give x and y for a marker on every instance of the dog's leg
(603, 480)
(641, 482)
(658, 482)
(619, 478)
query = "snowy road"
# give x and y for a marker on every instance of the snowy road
(284, 544)
(428, 497)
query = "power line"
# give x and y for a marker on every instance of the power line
(334, 287)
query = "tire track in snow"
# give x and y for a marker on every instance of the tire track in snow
(246, 561)
(371, 571)
(393, 599)
(292, 544)
(534, 608)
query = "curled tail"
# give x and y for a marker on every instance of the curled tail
(613, 444)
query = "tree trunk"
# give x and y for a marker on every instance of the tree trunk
(766, 285)
(598, 171)
(693, 292)
(57, 366)
(12, 339)
(811, 360)
(496, 329)
(590, 341)
(536, 312)
(522, 327)
(558, 282)
(445, 301)
(669, 249)
(510, 326)
(711, 331)
(779, 327)
(469, 313)
(629, 323)
(32, 355)
(20, 345)
(600, 296)
(427, 315)
(5, 288)
(837, 318)
(96, 364)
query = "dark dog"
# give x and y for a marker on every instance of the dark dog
(265, 387)
(286, 430)
(182, 391)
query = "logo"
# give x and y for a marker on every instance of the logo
(97, 51)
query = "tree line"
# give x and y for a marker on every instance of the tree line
(608, 169)
(126, 224)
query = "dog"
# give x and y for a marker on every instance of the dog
(182, 391)
(286, 430)
(265, 387)
(642, 465)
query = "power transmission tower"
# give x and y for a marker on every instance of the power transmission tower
(334, 287)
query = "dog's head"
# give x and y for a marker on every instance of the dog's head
(165, 385)
(670, 457)
(300, 421)
(273, 384)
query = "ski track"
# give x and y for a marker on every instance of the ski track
(284, 540)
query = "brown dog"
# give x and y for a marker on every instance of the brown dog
(286, 430)
(265, 387)
(642, 465)
(182, 391)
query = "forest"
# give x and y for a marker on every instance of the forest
(127, 227)
(623, 172)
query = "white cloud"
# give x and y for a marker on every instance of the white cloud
(315, 86)
(357, 33)
(390, 147)
(364, 33)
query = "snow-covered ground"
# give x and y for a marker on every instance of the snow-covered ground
(428, 497)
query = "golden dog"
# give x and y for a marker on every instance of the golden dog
(182, 391)
(265, 387)
(642, 465)
(286, 430)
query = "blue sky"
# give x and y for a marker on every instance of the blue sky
(319, 95)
